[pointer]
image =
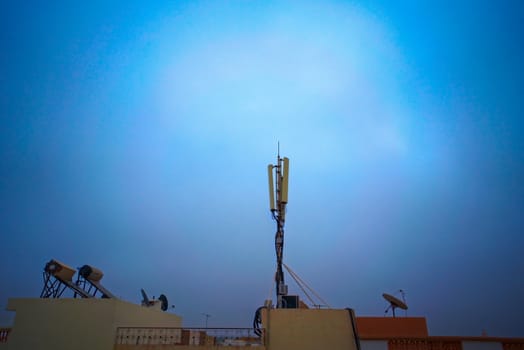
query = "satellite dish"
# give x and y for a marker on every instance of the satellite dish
(163, 300)
(145, 299)
(394, 303)
(161, 303)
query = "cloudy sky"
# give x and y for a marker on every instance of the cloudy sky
(135, 137)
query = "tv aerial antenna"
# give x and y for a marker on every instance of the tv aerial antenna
(395, 302)
(207, 316)
(278, 176)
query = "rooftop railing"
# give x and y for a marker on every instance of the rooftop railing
(188, 336)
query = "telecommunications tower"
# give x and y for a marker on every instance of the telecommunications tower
(278, 176)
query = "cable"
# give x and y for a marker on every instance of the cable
(257, 321)
(298, 283)
(312, 291)
(301, 282)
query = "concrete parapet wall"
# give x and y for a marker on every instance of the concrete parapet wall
(308, 329)
(79, 324)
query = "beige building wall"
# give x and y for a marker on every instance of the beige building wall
(308, 329)
(78, 323)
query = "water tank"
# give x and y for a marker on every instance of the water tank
(91, 273)
(60, 270)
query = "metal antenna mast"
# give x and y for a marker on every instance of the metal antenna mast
(279, 186)
(207, 316)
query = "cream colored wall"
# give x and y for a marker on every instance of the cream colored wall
(77, 323)
(307, 329)
(61, 324)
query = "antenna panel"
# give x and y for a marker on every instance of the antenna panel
(271, 188)
(285, 181)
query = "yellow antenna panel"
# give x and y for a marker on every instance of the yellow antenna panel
(285, 181)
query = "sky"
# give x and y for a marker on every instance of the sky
(135, 137)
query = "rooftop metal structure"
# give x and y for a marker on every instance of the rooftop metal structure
(278, 177)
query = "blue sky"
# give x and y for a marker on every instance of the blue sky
(135, 137)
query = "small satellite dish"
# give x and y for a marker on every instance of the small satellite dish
(145, 299)
(160, 303)
(163, 300)
(394, 303)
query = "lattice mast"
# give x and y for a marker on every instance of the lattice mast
(278, 187)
